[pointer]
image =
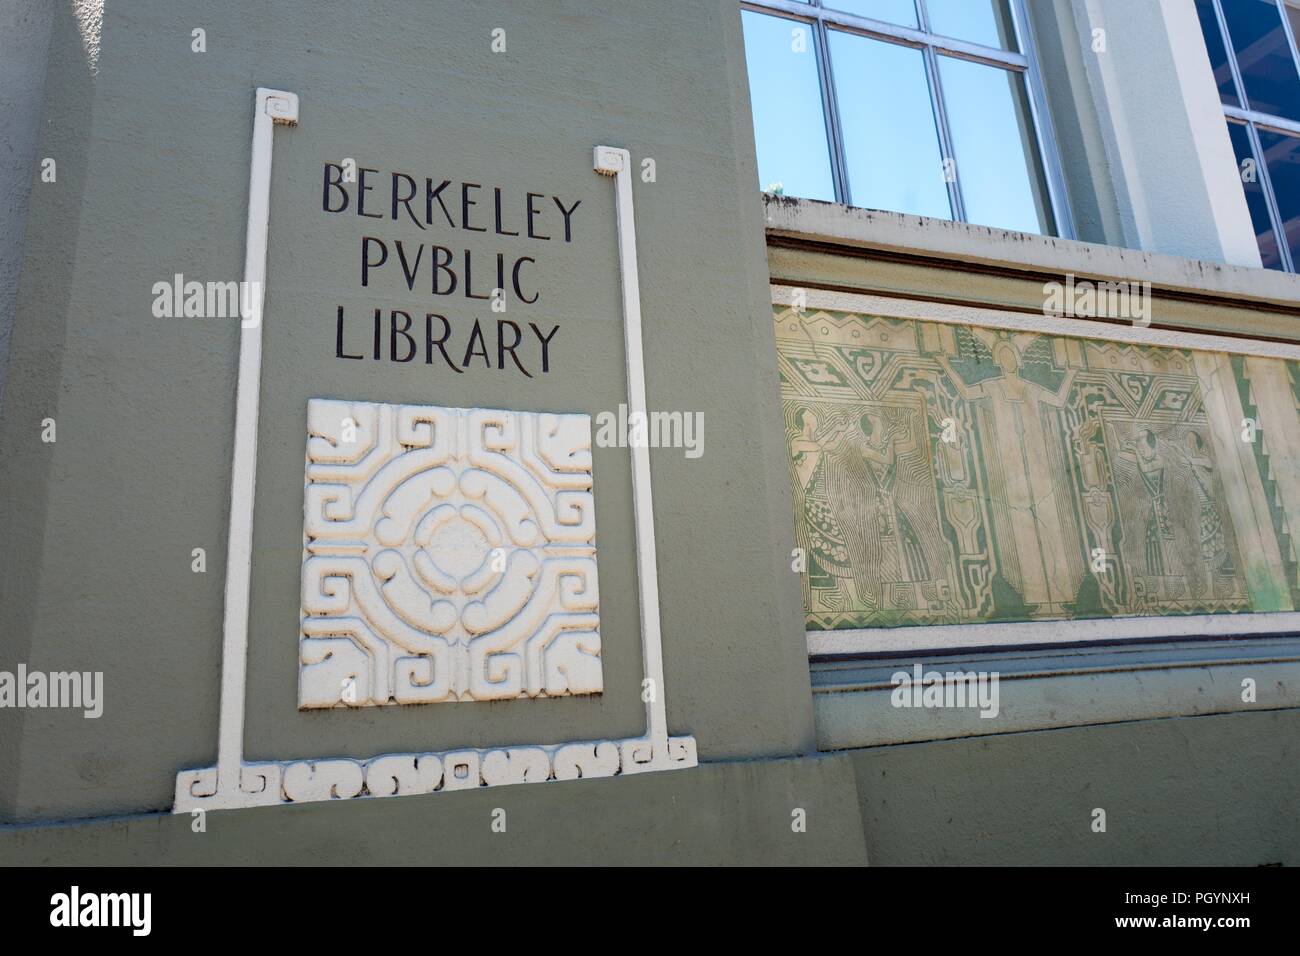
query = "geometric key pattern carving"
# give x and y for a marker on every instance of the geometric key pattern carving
(449, 554)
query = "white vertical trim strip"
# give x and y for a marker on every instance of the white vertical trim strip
(273, 106)
(617, 163)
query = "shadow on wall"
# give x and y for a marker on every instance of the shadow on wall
(34, 310)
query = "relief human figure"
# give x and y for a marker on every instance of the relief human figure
(860, 483)
(878, 447)
(1210, 523)
(820, 533)
(873, 495)
(1021, 453)
(1145, 453)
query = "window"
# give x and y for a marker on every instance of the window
(920, 106)
(1252, 47)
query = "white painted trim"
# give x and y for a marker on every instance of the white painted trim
(1019, 633)
(809, 220)
(867, 718)
(233, 783)
(273, 106)
(1266, 120)
(918, 640)
(951, 314)
(1045, 688)
(610, 161)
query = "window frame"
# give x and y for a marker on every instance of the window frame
(1253, 121)
(821, 19)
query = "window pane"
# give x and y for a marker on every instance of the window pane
(890, 141)
(1002, 181)
(1248, 168)
(1263, 57)
(979, 21)
(1218, 53)
(902, 12)
(1282, 156)
(786, 95)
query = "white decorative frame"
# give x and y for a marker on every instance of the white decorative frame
(937, 637)
(232, 783)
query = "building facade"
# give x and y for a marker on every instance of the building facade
(661, 432)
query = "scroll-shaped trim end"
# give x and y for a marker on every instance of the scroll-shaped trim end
(281, 106)
(610, 160)
(259, 786)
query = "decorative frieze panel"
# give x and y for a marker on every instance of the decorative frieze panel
(953, 474)
(449, 554)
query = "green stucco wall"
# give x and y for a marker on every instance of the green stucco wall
(1201, 791)
(153, 156)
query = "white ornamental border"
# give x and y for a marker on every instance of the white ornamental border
(233, 783)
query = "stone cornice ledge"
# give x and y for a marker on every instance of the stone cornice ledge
(1043, 689)
(918, 236)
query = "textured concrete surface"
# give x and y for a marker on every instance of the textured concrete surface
(1190, 791)
(734, 813)
(1197, 791)
(25, 27)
